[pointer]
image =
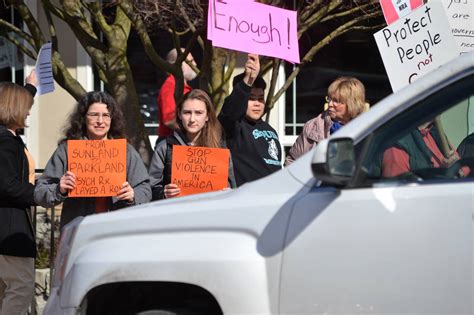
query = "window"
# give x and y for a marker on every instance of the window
(415, 145)
(11, 59)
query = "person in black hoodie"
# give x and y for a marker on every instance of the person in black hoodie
(17, 240)
(253, 143)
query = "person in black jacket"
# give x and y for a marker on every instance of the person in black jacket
(17, 240)
(253, 143)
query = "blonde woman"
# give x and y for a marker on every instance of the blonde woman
(346, 100)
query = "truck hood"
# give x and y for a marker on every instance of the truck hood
(251, 208)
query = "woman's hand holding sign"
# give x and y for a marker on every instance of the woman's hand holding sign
(126, 193)
(67, 182)
(171, 190)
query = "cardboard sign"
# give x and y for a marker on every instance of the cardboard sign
(199, 169)
(99, 165)
(416, 44)
(253, 27)
(395, 9)
(460, 16)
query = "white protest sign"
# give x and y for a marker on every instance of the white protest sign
(416, 44)
(44, 70)
(460, 16)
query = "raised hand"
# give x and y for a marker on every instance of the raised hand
(32, 79)
(252, 68)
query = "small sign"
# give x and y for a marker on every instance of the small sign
(44, 70)
(395, 9)
(100, 166)
(199, 169)
(416, 44)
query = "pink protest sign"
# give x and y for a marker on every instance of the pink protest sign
(395, 9)
(254, 28)
(210, 14)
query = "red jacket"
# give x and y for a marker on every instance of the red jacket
(167, 105)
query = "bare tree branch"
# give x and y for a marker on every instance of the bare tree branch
(326, 40)
(352, 11)
(8, 27)
(160, 14)
(141, 30)
(31, 23)
(52, 29)
(14, 40)
(47, 5)
(96, 12)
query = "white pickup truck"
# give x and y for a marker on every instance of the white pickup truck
(328, 235)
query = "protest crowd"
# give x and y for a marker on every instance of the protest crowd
(247, 144)
(198, 150)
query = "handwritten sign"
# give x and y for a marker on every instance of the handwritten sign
(460, 16)
(253, 27)
(395, 9)
(99, 166)
(416, 44)
(44, 70)
(199, 169)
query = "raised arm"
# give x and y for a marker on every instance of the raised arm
(31, 82)
(235, 105)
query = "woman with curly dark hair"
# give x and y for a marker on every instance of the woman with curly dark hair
(96, 117)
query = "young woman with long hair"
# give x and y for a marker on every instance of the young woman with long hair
(199, 126)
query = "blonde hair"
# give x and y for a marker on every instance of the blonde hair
(15, 103)
(349, 91)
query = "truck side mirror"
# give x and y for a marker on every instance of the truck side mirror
(334, 161)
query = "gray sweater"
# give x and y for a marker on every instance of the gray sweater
(47, 187)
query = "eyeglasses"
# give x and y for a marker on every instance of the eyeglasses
(334, 101)
(96, 116)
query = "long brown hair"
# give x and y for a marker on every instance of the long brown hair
(211, 133)
(15, 103)
(77, 128)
